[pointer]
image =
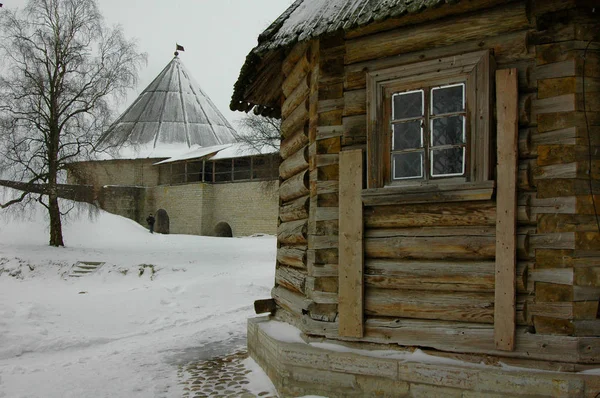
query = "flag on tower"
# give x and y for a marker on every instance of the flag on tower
(179, 48)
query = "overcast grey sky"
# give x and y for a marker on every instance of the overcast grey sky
(217, 36)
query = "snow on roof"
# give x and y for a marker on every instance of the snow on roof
(308, 19)
(172, 115)
(227, 151)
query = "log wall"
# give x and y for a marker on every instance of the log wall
(429, 267)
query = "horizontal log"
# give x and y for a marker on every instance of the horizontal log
(294, 302)
(294, 164)
(466, 243)
(491, 23)
(295, 210)
(462, 276)
(294, 187)
(431, 214)
(463, 306)
(329, 105)
(294, 142)
(460, 337)
(298, 51)
(428, 193)
(290, 278)
(507, 48)
(295, 120)
(297, 74)
(293, 232)
(294, 256)
(298, 96)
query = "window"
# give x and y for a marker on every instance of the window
(429, 124)
(428, 133)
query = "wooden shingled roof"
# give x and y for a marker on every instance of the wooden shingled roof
(260, 79)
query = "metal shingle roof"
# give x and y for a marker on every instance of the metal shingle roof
(171, 112)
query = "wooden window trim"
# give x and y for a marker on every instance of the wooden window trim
(476, 70)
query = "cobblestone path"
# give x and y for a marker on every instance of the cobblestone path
(225, 377)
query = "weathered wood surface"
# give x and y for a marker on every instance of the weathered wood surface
(350, 294)
(293, 232)
(294, 164)
(507, 48)
(291, 59)
(298, 96)
(506, 199)
(491, 23)
(461, 337)
(460, 243)
(464, 306)
(431, 193)
(295, 210)
(294, 187)
(266, 305)
(464, 276)
(294, 256)
(429, 14)
(290, 278)
(295, 120)
(294, 142)
(292, 301)
(297, 74)
(434, 214)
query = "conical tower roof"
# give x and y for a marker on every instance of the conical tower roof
(171, 116)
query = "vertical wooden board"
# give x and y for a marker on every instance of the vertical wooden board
(350, 295)
(507, 157)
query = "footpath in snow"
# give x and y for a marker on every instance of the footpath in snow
(157, 303)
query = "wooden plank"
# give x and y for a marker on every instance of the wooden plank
(350, 295)
(441, 276)
(506, 199)
(431, 215)
(449, 306)
(429, 193)
(266, 305)
(492, 23)
(470, 244)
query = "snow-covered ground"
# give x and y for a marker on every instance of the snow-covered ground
(120, 332)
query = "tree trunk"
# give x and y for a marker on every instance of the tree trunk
(56, 237)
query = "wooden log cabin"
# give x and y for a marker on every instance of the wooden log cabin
(440, 191)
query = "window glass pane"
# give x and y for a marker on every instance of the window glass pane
(448, 131)
(407, 165)
(446, 162)
(407, 105)
(447, 99)
(407, 135)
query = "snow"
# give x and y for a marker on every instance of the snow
(116, 333)
(225, 151)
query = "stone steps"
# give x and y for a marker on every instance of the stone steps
(83, 268)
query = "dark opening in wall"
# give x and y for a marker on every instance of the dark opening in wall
(162, 222)
(223, 230)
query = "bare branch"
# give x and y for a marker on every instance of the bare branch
(62, 64)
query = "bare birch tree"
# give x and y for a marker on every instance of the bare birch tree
(62, 66)
(258, 132)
